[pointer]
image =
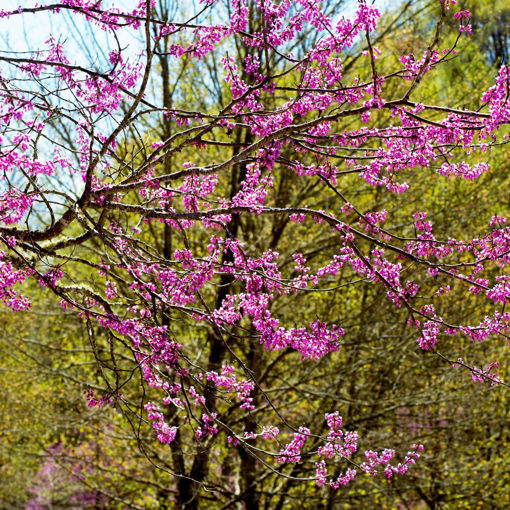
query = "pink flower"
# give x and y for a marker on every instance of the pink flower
(462, 15)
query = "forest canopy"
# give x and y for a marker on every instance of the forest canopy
(253, 254)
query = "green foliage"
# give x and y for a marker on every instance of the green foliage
(383, 385)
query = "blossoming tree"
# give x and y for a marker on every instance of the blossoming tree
(181, 250)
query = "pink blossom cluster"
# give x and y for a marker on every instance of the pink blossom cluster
(344, 444)
(375, 461)
(291, 452)
(166, 434)
(227, 381)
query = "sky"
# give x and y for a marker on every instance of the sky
(84, 43)
(30, 31)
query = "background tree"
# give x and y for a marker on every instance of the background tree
(238, 340)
